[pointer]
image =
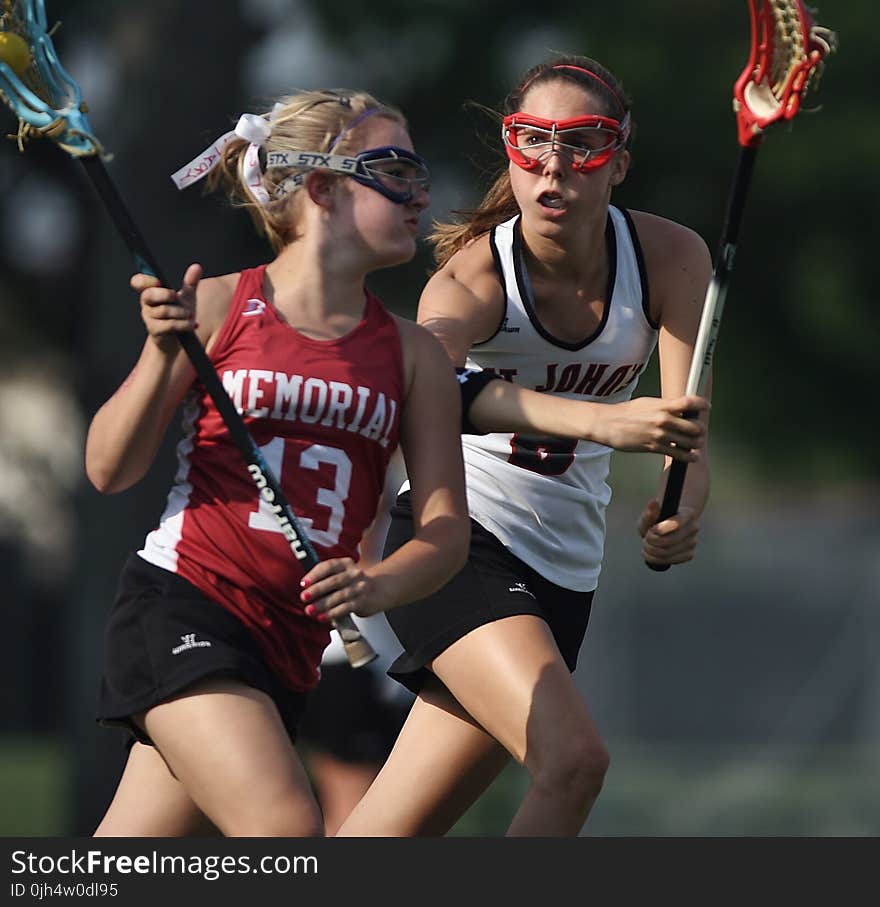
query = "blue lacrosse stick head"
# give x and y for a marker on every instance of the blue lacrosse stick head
(47, 98)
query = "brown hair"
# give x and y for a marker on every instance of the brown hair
(499, 203)
(305, 121)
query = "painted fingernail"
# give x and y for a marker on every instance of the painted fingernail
(306, 596)
(310, 610)
(305, 581)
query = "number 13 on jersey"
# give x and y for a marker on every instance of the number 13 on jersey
(311, 458)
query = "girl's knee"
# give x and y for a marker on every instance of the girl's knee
(576, 768)
(275, 826)
(285, 817)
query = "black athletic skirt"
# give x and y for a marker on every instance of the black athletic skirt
(493, 584)
(163, 635)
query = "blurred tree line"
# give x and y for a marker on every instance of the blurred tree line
(795, 355)
(797, 350)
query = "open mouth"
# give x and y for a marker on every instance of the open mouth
(551, 200)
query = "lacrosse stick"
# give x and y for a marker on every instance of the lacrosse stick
(48, 102)
(786, 60)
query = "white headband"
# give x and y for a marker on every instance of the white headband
(250, 127)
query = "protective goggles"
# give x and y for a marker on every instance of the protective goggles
(586, 142)
(394, 172)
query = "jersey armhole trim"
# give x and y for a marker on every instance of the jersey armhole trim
(643, 271)
(499, 272)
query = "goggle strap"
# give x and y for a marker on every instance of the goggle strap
(311, 160)
(592, 75)
(357, 167)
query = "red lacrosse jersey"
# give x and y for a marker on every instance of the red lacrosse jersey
(326, 416)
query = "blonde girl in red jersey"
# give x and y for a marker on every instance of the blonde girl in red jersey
(216, 636)
(551, 287)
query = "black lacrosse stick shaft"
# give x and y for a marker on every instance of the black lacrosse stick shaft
(721, 270)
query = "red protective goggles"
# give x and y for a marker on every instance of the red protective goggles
(587, 142)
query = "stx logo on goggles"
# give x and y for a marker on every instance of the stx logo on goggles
(587, 142)
(394, 172)
(311, 159)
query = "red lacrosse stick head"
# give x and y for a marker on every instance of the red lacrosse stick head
(787, 49)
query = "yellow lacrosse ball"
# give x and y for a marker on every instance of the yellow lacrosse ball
(14, 52)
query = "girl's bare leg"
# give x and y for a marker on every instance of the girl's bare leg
(340, 786)
(150, 802)
(441, 763)
(515, 695)
(227, 746)
(511, 679)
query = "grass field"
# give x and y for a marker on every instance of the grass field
(684, 791)
(649, 791)
(36, 783)
(34, 786)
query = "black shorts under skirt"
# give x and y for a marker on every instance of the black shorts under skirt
(163, 635)
(354, 715)
(493, 584)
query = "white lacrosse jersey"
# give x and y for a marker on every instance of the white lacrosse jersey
(545, 498)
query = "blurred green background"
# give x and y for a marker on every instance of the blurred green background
(739, 694)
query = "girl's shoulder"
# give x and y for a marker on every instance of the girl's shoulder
(213, 301)
(421, 350)
(472, 269)
(220, 286)
(663, 238)
(474, 257)
(413, 336)
(677, 261)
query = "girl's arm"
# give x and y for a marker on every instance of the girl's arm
(432, 452)
(127, 430)
(372, 545)
(679, 269)
(463, 303)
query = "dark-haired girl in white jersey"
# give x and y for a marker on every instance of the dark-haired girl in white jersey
(556, 291)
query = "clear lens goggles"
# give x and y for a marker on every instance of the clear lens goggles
(586, 142)
(395, 172)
